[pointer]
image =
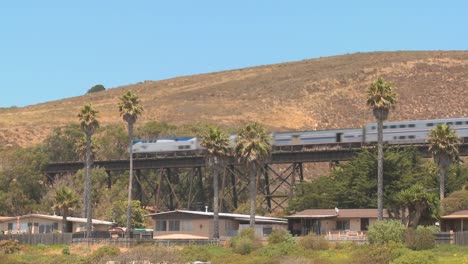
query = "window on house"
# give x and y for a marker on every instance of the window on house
(267, 231)
(342, 225)
(10, 226)
(174, 225)
(160, 225)
(186, 225)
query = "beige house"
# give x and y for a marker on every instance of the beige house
(327, 221)
(39, 223)
(455, 222)
(182, 224)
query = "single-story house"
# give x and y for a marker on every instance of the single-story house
(457, 221)
(39, 223)
(324, 221)
(184, 224)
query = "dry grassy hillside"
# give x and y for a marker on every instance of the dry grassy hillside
(311, 94)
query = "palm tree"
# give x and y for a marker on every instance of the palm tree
(381, 99)
(65, 200)
(89, 124)
(443, 144)
(253, 147)
(130, 109)
(216, 143)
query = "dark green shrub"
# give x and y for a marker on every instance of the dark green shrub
(314, 242)
(243, 245)
(416, 257)
(247, 233)
(279, 236)
(424, 238)
(382, 232)
(66, 251)
(410, 238)
(96, 88)
(420, 239)
(9, 246)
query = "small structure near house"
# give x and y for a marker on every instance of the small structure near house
(331, 222)
(184, 224)
(456, 222)
(41, 224)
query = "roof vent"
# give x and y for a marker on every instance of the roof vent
(206, 208)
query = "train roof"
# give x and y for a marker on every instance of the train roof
(424, 121)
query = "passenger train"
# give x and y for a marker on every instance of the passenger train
(402, 132)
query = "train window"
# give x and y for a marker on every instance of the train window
(430, 124)
(411, 137)
(402, 126)
(449, 123)
(187, 146)
(466, 122)
(411, 125)
(373, 127)
(393, 126)
(459, 123)
(385, 127)
(180, 147)
(402, 137)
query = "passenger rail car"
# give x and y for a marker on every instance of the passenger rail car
(402, 132)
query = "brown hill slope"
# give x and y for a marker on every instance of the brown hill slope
(311, 94)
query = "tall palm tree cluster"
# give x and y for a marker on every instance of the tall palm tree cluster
(130, 109)
(252, 148)
(443, 141)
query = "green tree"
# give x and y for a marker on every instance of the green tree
(117, 213)
(96, 88)
(60, 144)
(130, 109)
(381, 99)
(89, 124)
(253, 147)
(216, 144)
(65, 200)
(456, 201)
(416, 200)
(443, 144)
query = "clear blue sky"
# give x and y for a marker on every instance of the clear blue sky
(51, 50)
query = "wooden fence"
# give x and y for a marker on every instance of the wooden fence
(34, 239)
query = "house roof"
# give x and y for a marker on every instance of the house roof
(457, 215)
(342, 213)
(57, 218)
(239, 217)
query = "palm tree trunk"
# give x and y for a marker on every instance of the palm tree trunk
(130, 180)
(442, 181)
(253, 192)
(216, 198)
(379, 169)
(88, 186)
(64, 221)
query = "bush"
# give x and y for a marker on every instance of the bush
(424, 238)
(243, 245)
(286, 248)
(66, 251)
(382, 232)
(416, 257)
(96, 88)
(420, 239)
(378, 253)
(279, 236)
(9, 246)
(314, 242)
(104, 251)
(247, 233)
(205, 253)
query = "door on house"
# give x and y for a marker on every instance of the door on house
(312, 225)
(364, 224)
